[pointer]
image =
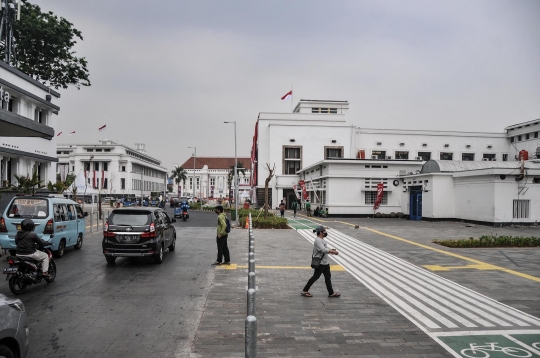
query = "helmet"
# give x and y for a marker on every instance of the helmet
(185, 202)
(27, 225)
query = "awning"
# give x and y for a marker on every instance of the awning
(14, 125)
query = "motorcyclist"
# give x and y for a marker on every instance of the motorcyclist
(27, 240)
(184, 207)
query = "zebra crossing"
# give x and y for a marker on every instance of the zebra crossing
(430, 301)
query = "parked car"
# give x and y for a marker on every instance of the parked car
(138, 232)
(58, 220)
(13, 328)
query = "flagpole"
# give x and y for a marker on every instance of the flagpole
(292, 99)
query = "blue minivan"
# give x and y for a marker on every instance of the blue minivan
(58, 220)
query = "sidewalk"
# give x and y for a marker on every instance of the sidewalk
(358, 324)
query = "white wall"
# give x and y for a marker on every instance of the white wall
(474, 198)
(507, 190)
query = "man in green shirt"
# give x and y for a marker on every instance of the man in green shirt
(308, 207)
(294, 206)
(221, 238)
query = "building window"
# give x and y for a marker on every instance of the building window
(505, 157)
(87, 166)
(89, 150)
(527, 136)
(519, 138)
(96, 166)
(380, 154)
(467, 157)
(292, 160)
(489, 157)
(371, 196)
(446, 156)
(213, 181)
(123, 168)
(521, 209)
(198, 183)
(105, 183)
(512, 139)
(323, 110)
(535, 134)
(402, 155)
(333, 152)
(425, 155)
(106, 150)
(122, 183)
(99, 150)
(105, 166)
(191, 183)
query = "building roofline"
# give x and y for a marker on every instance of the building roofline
(522, 124)
(321, 100)
(437, 132)
(31, 95)
(112, 143)
(363, 161)
(28, 78)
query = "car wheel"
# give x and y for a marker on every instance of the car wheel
(16, 284)
(173, 244)
(5, 352)
(61, 248)
(78, 245)
(110, 259)
(159, 257)
(52, 273)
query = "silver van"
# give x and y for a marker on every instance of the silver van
(58, 220)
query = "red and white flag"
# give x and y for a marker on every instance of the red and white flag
(59, 134)
(287, 95)
(380, 192)
(72, 133)
(102, 128)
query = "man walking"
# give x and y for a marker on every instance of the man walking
(294, 207)
(308, 207)
(221, 238)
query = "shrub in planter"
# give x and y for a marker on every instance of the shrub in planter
(270, 223)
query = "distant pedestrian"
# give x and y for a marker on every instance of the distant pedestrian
(308, 207)
(294, 207)
(316, 211)
(320, 250)
(221, 238)
(282, 209)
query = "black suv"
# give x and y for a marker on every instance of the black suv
(137, 232)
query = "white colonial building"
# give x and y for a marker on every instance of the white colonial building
(342, 164)
(113, 168)
(211, 177)
(28, 112)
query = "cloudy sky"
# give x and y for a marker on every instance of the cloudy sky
(168, 73)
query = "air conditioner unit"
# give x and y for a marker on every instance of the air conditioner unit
(446, 145)
(467, 146)
(379, 143)
(374, 157)
(489, 146)
(418, 158)
(292, 140)
(401, 144)
(388, 157)
(424, 144)
(485, 159)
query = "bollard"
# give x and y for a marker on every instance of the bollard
(251, 256)
(251, 280)
(91, 222)
(251, 266)
(252, 248)
(251, 337)
(251, 302)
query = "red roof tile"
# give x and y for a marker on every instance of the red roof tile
(215, 163)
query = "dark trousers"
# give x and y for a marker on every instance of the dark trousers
(321, 270)
(222, 249)
(282, 213)
(294, 210)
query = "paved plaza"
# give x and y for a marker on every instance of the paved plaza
(402, 295)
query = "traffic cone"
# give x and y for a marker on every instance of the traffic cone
(247, 222)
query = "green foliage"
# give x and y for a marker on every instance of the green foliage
(179, 175)
(45, 48)
(26, 184)
(492, 241)
(270, 223)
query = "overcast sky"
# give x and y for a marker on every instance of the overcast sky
(168, 73)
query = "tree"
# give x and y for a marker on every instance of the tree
(26, 184)
(230, 176)
(179, 175)
(44, 48)
(266, 182)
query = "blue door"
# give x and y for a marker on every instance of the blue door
(416, 205)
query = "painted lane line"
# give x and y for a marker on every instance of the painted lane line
(532, 349)
(475, 297)
(444, 296)
(523, 275)
(422, 293)
(382, 292)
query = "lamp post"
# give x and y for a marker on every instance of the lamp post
(194, 158)
(235, 176)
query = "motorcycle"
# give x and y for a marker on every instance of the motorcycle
(185, 215)
(161, 205)
(23, 272)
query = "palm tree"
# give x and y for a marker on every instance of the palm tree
(27, 184)
(230, 177)
(179, 175)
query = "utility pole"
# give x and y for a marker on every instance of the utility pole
(235, 176)
(194, 159)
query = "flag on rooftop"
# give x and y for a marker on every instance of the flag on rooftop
(102, 127)
(59, 134)
(72, 133)
(287, 95)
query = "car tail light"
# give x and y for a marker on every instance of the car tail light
(151, 232)
(3, 227)
(11, 262)
(49, 227)
(106, 231)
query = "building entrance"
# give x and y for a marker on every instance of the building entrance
(416, 203)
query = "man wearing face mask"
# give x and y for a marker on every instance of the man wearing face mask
(320, 250)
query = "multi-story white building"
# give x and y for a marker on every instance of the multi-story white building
(211, 177)
(113, 168)
(28, 112)
(342, 164)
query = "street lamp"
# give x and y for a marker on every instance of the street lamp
(194, 158)
(235, 176)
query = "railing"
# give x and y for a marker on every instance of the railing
(251, 320)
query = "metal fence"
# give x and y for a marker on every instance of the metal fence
(251, 320)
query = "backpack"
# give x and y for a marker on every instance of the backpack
(228, 227)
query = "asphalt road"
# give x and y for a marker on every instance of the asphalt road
(134, 308)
